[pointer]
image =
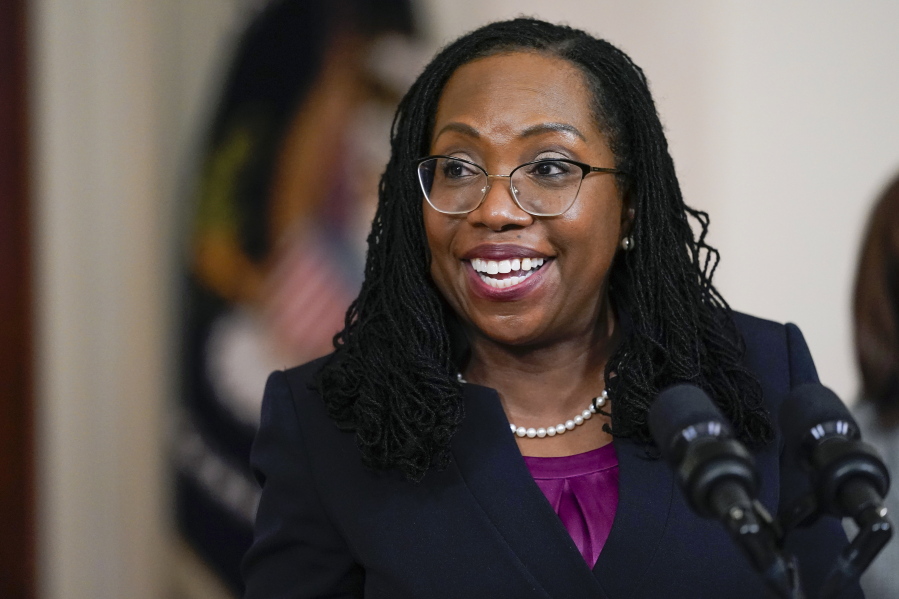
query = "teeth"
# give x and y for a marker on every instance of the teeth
(493, 267)
(528, 266)
(503, 283)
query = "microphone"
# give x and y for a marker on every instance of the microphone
(697, 442)
(718, 477)
(848, 477)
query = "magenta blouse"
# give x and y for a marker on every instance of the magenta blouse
(583, 491)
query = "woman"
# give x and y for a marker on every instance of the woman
(530, 266)
(876, 312)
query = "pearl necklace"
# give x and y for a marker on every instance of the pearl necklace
(552, 431)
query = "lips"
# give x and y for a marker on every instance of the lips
(505, 251)
(501, 271)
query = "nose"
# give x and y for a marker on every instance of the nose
(499, 211)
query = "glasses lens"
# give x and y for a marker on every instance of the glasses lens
(548, 187)
(452, 186)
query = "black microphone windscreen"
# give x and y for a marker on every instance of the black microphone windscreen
(677, 408)
(807, 406)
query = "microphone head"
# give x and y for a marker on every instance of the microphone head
(810, 406)
(847, 476)
(681, 412)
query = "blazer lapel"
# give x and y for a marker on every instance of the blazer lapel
(493, 469)
(646, 488)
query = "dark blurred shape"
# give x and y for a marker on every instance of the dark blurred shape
(876, 320)
(277, 62)
(286, 191)
(17, 481)
(876, 306)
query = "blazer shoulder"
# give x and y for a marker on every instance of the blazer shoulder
(304, 374)
(296, 385)
(772, 347)
(757, 327)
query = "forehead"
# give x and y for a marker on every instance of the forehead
(504, 94)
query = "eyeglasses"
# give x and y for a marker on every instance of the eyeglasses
(545, 187)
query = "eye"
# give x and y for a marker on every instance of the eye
(549, 168)
(456, 169)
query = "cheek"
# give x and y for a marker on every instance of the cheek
(598, 224)
(590, 238)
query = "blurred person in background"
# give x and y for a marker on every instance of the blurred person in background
(286, 193)
(876, 318)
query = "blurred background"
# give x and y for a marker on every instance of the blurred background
(185, 188)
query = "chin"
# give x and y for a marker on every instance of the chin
(508, 330)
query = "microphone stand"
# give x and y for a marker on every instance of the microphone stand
(760, 536)
(874, 531)
(718, 476)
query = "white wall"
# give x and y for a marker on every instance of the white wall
(782, 119)
(806, 122)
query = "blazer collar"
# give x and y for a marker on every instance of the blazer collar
(494, 471)
(646, 489)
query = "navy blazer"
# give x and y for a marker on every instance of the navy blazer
(481, 528)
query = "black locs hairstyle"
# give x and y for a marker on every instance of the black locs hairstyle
(392, 377)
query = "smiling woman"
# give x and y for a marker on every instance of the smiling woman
(531, 268)
(491, 111)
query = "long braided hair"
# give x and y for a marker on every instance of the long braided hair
(392, 376)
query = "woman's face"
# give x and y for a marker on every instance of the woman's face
(500, 112)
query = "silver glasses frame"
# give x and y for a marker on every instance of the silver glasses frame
(586, 169)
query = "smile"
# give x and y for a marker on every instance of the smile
(512, 272)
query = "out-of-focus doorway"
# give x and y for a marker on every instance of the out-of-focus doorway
(16, 400)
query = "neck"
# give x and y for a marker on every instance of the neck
(546, 383)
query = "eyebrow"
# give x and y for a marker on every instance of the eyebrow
(459, 128)
(552, 127)
(531, 131)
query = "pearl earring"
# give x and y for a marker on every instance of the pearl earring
(627, 244)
